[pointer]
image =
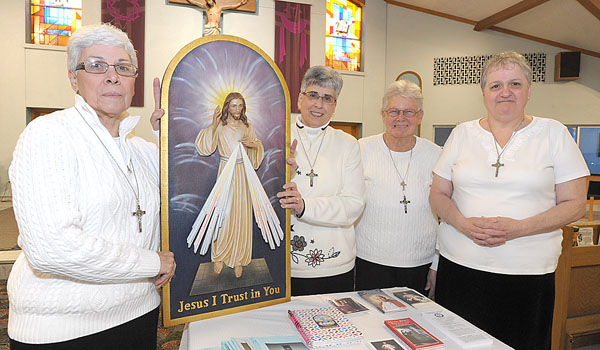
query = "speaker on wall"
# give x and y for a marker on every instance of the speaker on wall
(566, 65)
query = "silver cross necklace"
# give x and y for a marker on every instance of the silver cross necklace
(402, 178)
(497, 165)
(312, 173)
(138, 210)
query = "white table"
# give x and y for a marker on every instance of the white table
(273, 321)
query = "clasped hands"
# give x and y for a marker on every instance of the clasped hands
(491, 231)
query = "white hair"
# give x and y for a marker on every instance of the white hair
(100, 34)
(403, 88)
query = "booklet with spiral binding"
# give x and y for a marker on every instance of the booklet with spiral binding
(325, 327)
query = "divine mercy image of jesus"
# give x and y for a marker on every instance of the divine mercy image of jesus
(237, 144)
(223, 158)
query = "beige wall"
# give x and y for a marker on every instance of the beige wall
(419, 38)
(395, 40)
(168, 29)
(12, 86)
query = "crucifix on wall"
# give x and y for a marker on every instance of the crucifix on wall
(214, 10)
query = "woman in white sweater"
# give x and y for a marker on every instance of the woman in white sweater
(327, 192)
(86, 199)
(396, 235)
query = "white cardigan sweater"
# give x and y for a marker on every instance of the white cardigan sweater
(84, 267)
(323, 242)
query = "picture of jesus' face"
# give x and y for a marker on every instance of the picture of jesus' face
(235, 108)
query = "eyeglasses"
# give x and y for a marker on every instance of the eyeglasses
(408, 113)
(100, 67)
(314, 97)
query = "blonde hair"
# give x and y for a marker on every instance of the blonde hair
(503, 59)
(403, 88)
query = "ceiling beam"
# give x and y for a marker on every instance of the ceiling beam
(591, 5)
(507, 13)
(431, 12)
(497, 29)
(546, 41)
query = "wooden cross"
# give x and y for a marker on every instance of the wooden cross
(497, 165)
(405, 202)
(139, 212)
(312, 175)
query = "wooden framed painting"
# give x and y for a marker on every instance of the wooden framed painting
(224, 141)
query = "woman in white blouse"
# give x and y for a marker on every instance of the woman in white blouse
(504, 186)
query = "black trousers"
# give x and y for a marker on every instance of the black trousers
(370, 275)
(137, 334)
(323, 285)
(516, 309)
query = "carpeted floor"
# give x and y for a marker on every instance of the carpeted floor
(168, 338)
(8, 229)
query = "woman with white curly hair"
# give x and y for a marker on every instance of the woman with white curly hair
(86, 198)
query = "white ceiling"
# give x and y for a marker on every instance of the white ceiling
(563, 23)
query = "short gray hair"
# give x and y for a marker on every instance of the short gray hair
(503, 59)
(324, 77)
(403, 88)
(100, 34)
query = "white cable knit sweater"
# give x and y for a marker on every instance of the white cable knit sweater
(385, 234)
(85, 267)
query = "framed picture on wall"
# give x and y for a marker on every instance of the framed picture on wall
(441, 134)
(224, 141)
(588, 139)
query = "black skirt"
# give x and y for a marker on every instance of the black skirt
(137, 334)
(323, 285)
(370, 275)
(516, 309)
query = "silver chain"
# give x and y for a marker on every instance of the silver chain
(304, 149)
(403, 182)
(136, 193)
(498, 153)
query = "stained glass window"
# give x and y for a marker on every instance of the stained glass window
(53, 21)
(343, 35)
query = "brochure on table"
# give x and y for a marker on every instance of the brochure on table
(273, 321)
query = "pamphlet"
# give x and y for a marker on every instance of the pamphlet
(382, 301)
(413, 335)
(348, 306)
(585, 236)
(293, 342)
(460, 331)
(415, 299)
